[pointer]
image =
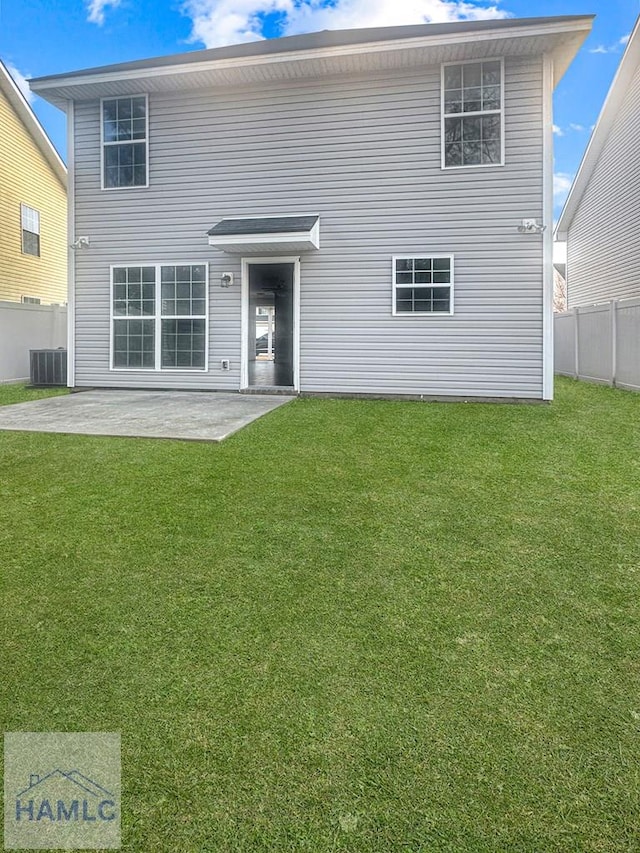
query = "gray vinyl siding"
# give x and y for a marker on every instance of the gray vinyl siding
(602, 244)
(364, 154)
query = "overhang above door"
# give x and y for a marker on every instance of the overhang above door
(265, 234)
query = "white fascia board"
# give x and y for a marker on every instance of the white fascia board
(324, 53)
(626, 70)
(309, 239)
(31, 123)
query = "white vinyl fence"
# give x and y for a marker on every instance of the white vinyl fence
(25, 327)
(600, 343)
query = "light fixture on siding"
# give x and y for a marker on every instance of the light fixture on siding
(226, 279)
(530, 226)
(81, 243)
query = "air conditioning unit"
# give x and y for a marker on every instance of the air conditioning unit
(48, 366)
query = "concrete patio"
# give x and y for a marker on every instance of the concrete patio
(190, 415)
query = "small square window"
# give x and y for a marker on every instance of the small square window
(423, 285)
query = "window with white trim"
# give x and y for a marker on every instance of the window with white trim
(124, 142)
(472, 114)
(159, 317)
(423, 285)
(30, 222)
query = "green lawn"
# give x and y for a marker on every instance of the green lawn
(20, 393)
(353, 626)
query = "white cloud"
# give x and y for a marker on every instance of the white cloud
(21, 82)
(561, 186)
(221, 22)
(611, 48)
(559, 131)
(96, 9)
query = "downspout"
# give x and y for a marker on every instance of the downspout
(547, 236)
(71, 256)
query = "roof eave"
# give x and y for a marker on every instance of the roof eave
(33, 126)
(626, 70)
(569, 33)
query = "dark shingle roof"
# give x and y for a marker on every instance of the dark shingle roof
(263, 225)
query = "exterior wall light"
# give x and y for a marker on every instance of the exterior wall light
(530, 226)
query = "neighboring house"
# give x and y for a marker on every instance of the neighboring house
(601, 217)
(383, 190)
(33, 205)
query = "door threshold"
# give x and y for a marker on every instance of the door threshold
(269, 389)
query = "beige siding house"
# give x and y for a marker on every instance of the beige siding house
(601, 218)
(33, 205)
(383, 195)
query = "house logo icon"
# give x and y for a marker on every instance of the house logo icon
(62, 791)
(85, 799)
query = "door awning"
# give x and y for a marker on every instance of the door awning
(266, 234)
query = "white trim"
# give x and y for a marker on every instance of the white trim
(244, 314)
(577, 24)
(449, 284)
(500, 112)
(23, 210)
(158, 317)
(547, 236)
(71, 255)
(124, 142)
(241, 239)
(615, 97)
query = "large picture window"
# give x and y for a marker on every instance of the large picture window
(423, 285)
(159, 317)
(472, 114)
(124, 142)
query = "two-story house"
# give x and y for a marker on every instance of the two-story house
(601, 216)
(385, 194)
(33, 204)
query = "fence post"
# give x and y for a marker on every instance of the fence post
(576, 347)
(614, 340)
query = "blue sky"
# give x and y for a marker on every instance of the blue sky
(39, 37)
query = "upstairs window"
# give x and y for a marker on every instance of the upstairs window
(124, 142)
(472, 114)
(30, 219)
(423, 285)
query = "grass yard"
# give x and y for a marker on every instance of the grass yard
(17, 392)
(353, 626)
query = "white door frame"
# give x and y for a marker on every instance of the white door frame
(244, 329)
